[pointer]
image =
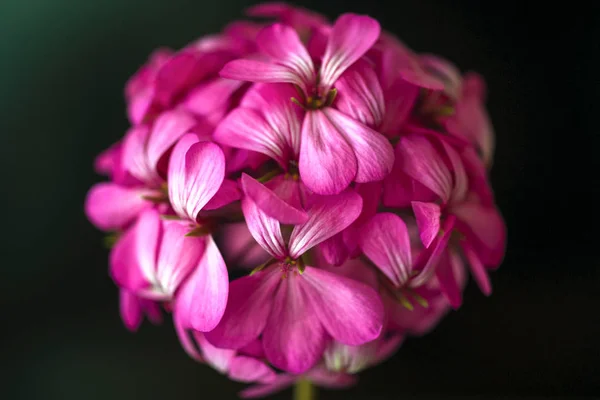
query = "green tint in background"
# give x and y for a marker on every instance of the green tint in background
(63, 65)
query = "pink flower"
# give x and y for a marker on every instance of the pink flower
(471, 120)
(340, 357)
(185, 78)
(239, 247)
(336, 142)
(342, 177)
(298, 18)
(133, 309)
(242, 365)
(328, 304)
(156, 260)
(135, 168)
(439, 168)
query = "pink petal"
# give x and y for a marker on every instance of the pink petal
(428, 220)
(203, 297)
(400, 189)
(317, 43)
(420, 78)
(387, 347)
(284, 117)
(265, 229)
(350, 311)
(350, 359)
(131, 310)
(374, 153)
(399, 101)
(248, 307)
(177, 257)
(471, 119)
(135, 160)
(334, 249)
(248, 369)
(245, 128)
(108, 160)
(371, 195)
(444, 71)
(185, 69)
(437, 137)
(259, 71)
(386, 242)
(166, 130)
(196, 171)
(211, 96)
(124, 266)
(360, 95)
(140, 105)
(152, 310)
(327, 161)
(227, 193)
(327, 216)
(111, 207)
(282, 44)
(461, 184)
(485, 231)
(419, 321)
(332, 380)
(270, 203)
(281, 382)
(351, 37)
(148, 232)
(289, 189)
(297, 17)
(293, 339)
(219, 359)
(423, 163)
(477, 269)
(239, 247)
(185, 339)
(355, 269)
(254, 349)
(446, 279)
(429, 258)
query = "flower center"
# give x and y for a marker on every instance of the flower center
(317, 101)
(289, 265)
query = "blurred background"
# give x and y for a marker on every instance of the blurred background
(63, 65)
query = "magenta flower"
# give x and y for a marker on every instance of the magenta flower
(329, 304)
(244, 365)
(337, 143)
(338, 178)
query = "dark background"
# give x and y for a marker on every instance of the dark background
(63, 65)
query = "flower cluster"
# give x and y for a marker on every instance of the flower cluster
(341, 177)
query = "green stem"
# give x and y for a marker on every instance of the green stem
(304, 390)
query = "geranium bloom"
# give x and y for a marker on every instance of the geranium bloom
(443, 172)
(337, 144)
(329, 304)
(342, 177)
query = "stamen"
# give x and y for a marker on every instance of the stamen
(262, 266)
(161, 198)
(198, 231)
(402, 299)
(418, 298)
(173, 217)
(331, 97)
(269, 175)
(295, 101)
(301, 267)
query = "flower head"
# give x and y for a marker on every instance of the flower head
(300, 196)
